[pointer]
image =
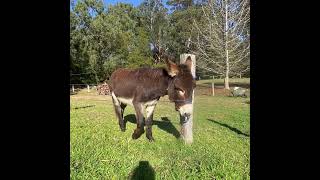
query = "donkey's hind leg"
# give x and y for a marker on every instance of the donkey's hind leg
(123, 107)
(140, 120)
(119, 108)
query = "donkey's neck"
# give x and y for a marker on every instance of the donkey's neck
(163, 81)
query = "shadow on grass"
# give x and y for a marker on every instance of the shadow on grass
(229, 127)
(82, 107)
(165, 124)
(143, 171)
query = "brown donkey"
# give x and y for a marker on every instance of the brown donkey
(143, 87)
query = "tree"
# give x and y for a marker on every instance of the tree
(178, 5)
(181, 30)
(223, 40)
(83, 55)
(156, 22)
(103, 39)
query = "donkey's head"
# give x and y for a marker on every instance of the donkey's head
(180, 89)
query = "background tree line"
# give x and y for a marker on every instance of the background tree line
(103, 38)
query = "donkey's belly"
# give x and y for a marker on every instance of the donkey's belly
(118, 100)
(127, 101)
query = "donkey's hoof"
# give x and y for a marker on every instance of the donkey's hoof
(135, 136)
(123, 129)
(137, 133)
(151, 139)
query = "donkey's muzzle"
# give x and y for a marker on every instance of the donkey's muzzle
(184, 118)
(185, 109)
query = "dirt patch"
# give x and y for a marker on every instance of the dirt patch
(205, 89)
(208, 91)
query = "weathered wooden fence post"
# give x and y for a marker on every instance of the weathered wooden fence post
(186, 128)
(212, 85)
(73, 88)
(88, 87)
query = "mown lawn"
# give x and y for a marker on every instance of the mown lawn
(221, 148)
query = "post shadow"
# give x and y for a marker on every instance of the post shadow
(143, 171)
(165, 124)
(229, 127)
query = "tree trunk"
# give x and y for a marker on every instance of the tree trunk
(226, 82)
(212, 85)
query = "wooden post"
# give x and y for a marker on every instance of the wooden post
(212, 85)
(88, 88)
(72, 88)
(186, 128)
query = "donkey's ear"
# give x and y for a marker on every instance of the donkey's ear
(188, 62)
(172, 68)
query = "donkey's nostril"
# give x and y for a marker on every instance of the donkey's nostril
(187, 115)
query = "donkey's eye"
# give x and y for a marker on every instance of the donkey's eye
(177, 89)
(180, 91)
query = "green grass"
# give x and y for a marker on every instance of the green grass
(221, 148)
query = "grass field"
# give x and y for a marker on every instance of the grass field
(221, 148)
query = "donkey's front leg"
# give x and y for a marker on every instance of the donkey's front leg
(139, 117)
(149, 112)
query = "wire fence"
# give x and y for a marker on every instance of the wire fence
(208, 87)
(91, 92)
(74, 87)
(101, 89)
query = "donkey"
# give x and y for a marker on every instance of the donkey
(143, 88)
